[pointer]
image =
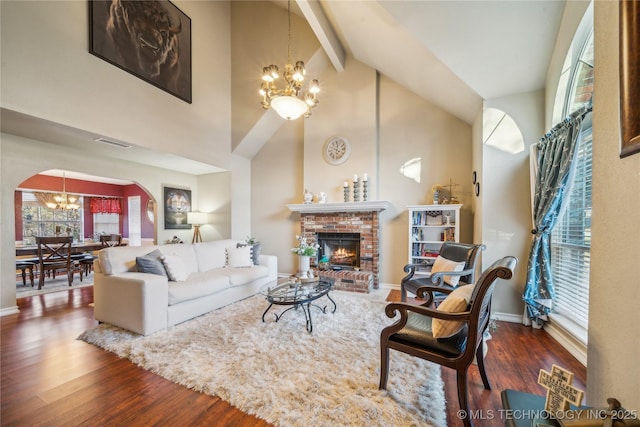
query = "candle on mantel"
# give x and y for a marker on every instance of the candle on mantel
(346, 184)
(355, 178)
(365, 177)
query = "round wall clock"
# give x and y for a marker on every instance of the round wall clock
(336, 150)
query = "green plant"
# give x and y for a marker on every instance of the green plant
(252, 240)
(305, 248)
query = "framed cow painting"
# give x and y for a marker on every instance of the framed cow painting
(149, 39)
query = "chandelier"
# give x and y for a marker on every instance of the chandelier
(288, 101)
(63, 200)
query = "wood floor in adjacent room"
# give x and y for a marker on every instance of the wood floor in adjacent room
(50, 378)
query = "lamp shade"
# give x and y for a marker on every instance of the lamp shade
(197, 218)
(289, 107)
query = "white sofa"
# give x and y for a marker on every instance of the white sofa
(145, 303)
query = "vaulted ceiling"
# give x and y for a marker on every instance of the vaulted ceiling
(452, 53)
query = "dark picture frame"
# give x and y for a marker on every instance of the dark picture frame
(152, 41)
(176, 202)
(629, 77)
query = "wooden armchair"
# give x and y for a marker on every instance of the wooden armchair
(414, 332)
(54, 253)
(451, 251)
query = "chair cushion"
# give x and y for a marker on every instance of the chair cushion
(418, 331)
(456, 302)
(443, 264)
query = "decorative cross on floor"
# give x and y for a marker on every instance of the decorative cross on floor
(560, 392)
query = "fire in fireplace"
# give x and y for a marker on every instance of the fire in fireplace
(341, 249)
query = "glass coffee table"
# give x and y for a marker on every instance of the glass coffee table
(298, 294)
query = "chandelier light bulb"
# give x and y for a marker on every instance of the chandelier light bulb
(288, 100)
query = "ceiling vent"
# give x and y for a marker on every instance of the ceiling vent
(113, 143)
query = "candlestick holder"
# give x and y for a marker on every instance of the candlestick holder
(346, 193)
(356, 191)
(365, 185)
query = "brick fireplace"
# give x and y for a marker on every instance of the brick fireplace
(347, 218)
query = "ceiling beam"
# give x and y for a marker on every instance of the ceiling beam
(321, 27)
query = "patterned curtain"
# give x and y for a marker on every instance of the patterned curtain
(556, 165)
(105, 205)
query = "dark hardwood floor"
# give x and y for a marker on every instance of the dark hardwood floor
(50, 378)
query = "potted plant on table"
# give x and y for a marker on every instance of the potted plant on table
(305, 250)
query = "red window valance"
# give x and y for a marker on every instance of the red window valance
(105, 205)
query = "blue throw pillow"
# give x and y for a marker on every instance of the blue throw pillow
(151, 263)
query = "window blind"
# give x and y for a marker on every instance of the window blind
(571, 243)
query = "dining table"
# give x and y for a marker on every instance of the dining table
(76, 248)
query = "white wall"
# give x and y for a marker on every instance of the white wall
(48, 72)
(614, 338)
(22, 158)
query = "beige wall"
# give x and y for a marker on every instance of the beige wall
(276, 180)
(506, 199)
(408, 127)
(614, 340)
(48, 72)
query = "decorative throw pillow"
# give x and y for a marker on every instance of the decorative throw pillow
(255, 251)
(239, 257)
(443, 264)
(176, 270)
(151, 263)
(456, 302)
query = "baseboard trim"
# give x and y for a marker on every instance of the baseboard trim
(572, 345)
(389, 286)
(9, 310)
(507, 317)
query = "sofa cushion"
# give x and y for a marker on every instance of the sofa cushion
(176, 270)
(120, 259)
(242, 276)
(239, 257)
(198, 285)
(185, 251)
(151, 263)
(211, 255)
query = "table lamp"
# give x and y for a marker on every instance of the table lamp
(197, 219)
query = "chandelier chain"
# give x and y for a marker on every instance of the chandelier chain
(288, 100)
(289, 33)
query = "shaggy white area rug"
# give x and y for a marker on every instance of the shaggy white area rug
(285, 375)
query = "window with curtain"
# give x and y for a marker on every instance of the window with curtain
(571, 238)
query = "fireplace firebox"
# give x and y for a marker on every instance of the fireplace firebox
(342, 250)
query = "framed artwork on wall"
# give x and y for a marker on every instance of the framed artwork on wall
(629, 77)
(149, 39)
(177, 202)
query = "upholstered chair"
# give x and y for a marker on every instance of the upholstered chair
(452, 254)
(451, 335)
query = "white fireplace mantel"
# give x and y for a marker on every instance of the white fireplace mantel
(369, 206)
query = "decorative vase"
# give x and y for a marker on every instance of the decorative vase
(303, 266)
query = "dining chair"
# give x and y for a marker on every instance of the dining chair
(109, 240)
(54, 253)
(451, 335)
